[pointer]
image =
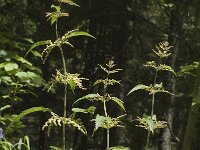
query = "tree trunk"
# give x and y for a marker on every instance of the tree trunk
(191, 130)
(175, 28)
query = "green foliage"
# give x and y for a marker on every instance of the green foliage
(90, 110)
(188, 69)
(151, 123)
(56, 120)
(119, 148)
(61, 41)
(152, 89)
(163, 50)
(157, 67)
(31, 110)
(53, 16)
(73, 80)
(106, 122)
(70, 2)
(55, 148)
(23, 144)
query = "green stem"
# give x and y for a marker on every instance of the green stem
(65, 92)
(147, 141)
(65, 99)
(152, 107)
(108, 140)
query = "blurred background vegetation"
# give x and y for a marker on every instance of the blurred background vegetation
(125, 31)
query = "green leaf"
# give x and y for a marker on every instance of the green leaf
(56, 7)
(99, 120)
(10, 66)
(166, 67)
(90, 97)
(4, 107)
(23, 76)
(6, 79)
(36, 54)
(2, 65)
(79, 110)
(36, 45)
(76, 33)
(72, 85)
(91, 110)
(22, 60)
(119, 148)
(29, 111)
(138, 87)
(70, 2)
(35, 78)
(119, 102)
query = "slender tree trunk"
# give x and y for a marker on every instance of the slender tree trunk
(175, 28)
(191, 130)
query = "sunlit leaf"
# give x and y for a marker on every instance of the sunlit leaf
(23, 76)
(10, 66)
(138, 87)
(70, 2)
(76, 33)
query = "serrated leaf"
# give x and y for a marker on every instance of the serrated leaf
(76, 33)
(119, 102)
(138, 87)
(70, 2)
(10, 66)
(99, 120)
(91, 110)
(36, 45)
(90, 97)
(119, 148)
(72, 85)
(167, 68)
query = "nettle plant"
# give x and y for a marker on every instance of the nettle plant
(151, 122)
(63, 78)
(105, 121)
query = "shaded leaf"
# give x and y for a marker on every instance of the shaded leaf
(36, 45)
(22, 60)
(119, 102)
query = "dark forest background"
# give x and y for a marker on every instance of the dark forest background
(126, 31)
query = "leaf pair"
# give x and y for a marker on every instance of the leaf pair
(105, 98)
(153, 89)
(151, 123)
